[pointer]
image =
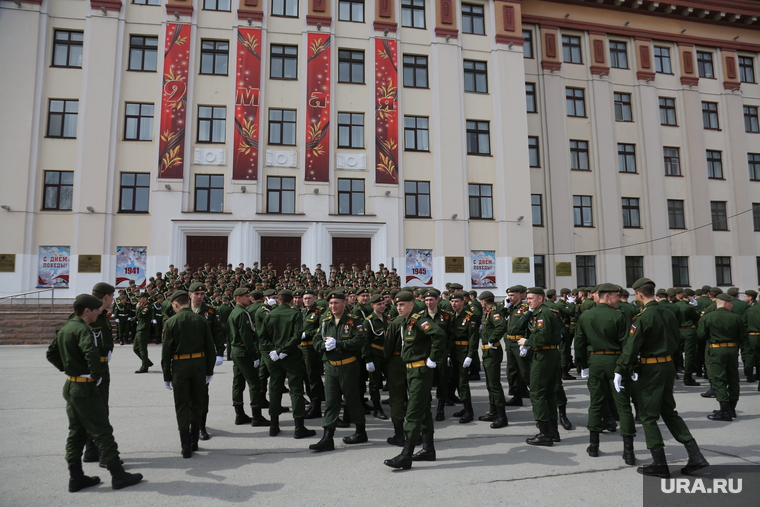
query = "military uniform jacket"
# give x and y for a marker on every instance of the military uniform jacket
(721, 326)
(101, 328)
(630, 311)
(543, 328)
(477, 311)
(443, 318)
(393, 337)
(122, 312)
(73, 350)
(311, 318)
(186, 333)
(494, 326)
(242, 331)
(348, 333)
(703, 302)
(586, 305)
(422, 339)
(752, 319)
(739, 307)
(215, 326)
(517, 319)
(224, 311)
(673, 308)
(158, 311)
(282, 329)
(600, 329)
(144, 316)
(689, 314)
(654, 333)
(374, 330)
(465, 329)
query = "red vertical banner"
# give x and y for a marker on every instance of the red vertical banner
(246, 159)
(171, 145)
(318, 108)
(386, 111)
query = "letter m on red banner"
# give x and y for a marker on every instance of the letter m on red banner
(246, 159)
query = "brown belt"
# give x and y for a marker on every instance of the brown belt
(607, 352)
(754, 334)
(415, 364)
(241, 345)
(548, 347)
(726, 344)
(343, 361)
(515, 336)
(103, 359)
(306, 344)
(490, 346)
(189, 356)
(80, 379)
(688, 327)
(567, 325)
(461, 343)
(376, 346)
(652, 360)
(397, 353)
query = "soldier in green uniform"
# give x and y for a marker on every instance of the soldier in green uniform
(279, 341)
(518, 367)
(397, 393)
(567, 310)
(144, 317)
(466, 341)
(122, 315)
(259, 310)
(494, 326)
(312, 361)
(654, 338)
(73, 351)
(424, 346)
(751, 321)
(724, 332)
(375, 326)
(158, 320)
(187, 361)
(442, 318)
(599, 337)
(688, 335)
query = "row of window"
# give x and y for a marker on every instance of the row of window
(572, 52)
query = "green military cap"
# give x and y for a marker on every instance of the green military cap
(197, 287)
(386, 292)
(564, 290)
(536, 290)
(393, 293)
(473, 293)
(363, 290)
(671, 292)
(514, 288)
(706, 288)
(624, 293)
(242, 291)
(311, 292)
(403, 295)
(104, 288)
(459, 295)
(377, 298)
(285, 292)
(432, 293)
(608, 287)
(257, 294)
(176, 294)
(551, 292)
(595, 288)
(350, 291)
(456, 286)
(716, 290)
(662, 292)
(270, 292)
(445, 293)
(521, 288)
(161, 295)
(143, 295)
(733, 291)
(88, 301)
(678, 290)
(574, 291)
(751, 293)
(725, 297)
(641, 282)
(486, 294)
(336, 294)
(448, 285)
(298, 293)
(689, 292)
(698, 292)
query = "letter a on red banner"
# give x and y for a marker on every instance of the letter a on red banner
(318, 108)
(171, 144)
(246, 158)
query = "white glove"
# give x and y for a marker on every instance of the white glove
(330, 343)
(524, 350)
(618, 381)
(467, 362)
(508, 304)
(99, 381)
(303, 335)
(430, 363)
(448, 361)
(154, 321)
(256, 363)
(117, 320)
(109, 356)
(271, 301)
(371, 367)
(571, 299)
(208, 378)
(635, 377)
(283, 355)
(531, 309)
(168, 385)
(219, 361)
(584, 373)
(274, 356)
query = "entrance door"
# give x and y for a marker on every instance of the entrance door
(203, 249)
(280, 251)
(352, 250)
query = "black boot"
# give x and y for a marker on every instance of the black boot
(609, 421)
(628, 456)
(398, 435)
(501, 419)
(359, 436)
(544, 437)
(710, 393)
(749, 372)
(474, 374)
(696, 460)
(563, 420)
(428, 450)
(515, 401)
(403, 460)
(184, 439)
(378, 412)
(636, 412)
(468, 415)
(274, 425)
(454, 399)
(258, 420)
(566, 374)
(77, 479)
(91, 454)
(240, 415)
(490, 416)
(120, 478)
(315, 410)
(367, 408)
(194, 434)
(440, 414)
(302, 431)
(555, 432)
(524, 392)
(658, 467)
(326, 443)
(732, 404)
(345, 422)
(203, 433)
(724, 414)
(593, 444)
(688, 380)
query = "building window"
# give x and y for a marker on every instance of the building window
(209, 193)
(530, 98)
(676, 218)
(473, 19)
(662, 60)
(283, 62)
(623, 110)
(631, 213)
(723, 270)
(539, 269)
(212, 124)
(135, 192)
(350, 130)
(537, 207)
(138, 122)
(753, 159)
(282, 127)
(672, 158)
(281, 194)
(214, 57)
(415, 71)
(62, 118)
(527, 44)
(58, 190)
(668, 111)
(576, 101)
(413, 13)
(417, 199)
(481, 201)
(416, 133)
(750, 119)
(351, 10)
(288, 8)
(475, 77)
(586, 267)
(714, 164)
(147, 2)
(579, 156)
(634, 269)
(718, 214)
(67, 49)
(746, 69)
(705, 65)
(216, 5)
(756, 215)
(143, 53)
(710, 115)
(350, 196)
(582, 211)
(478, 138)
(350, 66)
(571, 49)
(680, 267)
(618, 55)
(533, 151)
(627, 157)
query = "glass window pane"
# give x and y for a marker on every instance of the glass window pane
(288, 202)
(51, 195)
(424, 204)
(65, 197)
(128, 179)
(423, 187)
(202, 180)
(141, 199)
(343, 204)
(143, 179)
(217, 199)
(52, 176)
(344, 184)
(127, 195)
(411, 207)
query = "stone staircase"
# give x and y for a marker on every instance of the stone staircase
(29, 324)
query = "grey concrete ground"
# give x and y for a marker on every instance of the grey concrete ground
(242, 465)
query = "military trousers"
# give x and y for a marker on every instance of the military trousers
(315, 389)
(376, 377)
(518, 368)
(243, 360)
(88, 415)
(492, 359)
(656, 400)
(441, 377)
(419, 417)
(566, 348)
(291, 367)
(689, 342)
(397, 388)
(544, 368)
(140, 348)
(724, 372)
(343, 381)
(190, 391)
(601, 389)
(122, 329)
(752, 355)
(461, 376)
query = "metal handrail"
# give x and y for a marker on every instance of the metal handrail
(11, 297)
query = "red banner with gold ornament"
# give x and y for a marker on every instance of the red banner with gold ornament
(318, 108)
(386, 111)
(246, 158)
(171, 144)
